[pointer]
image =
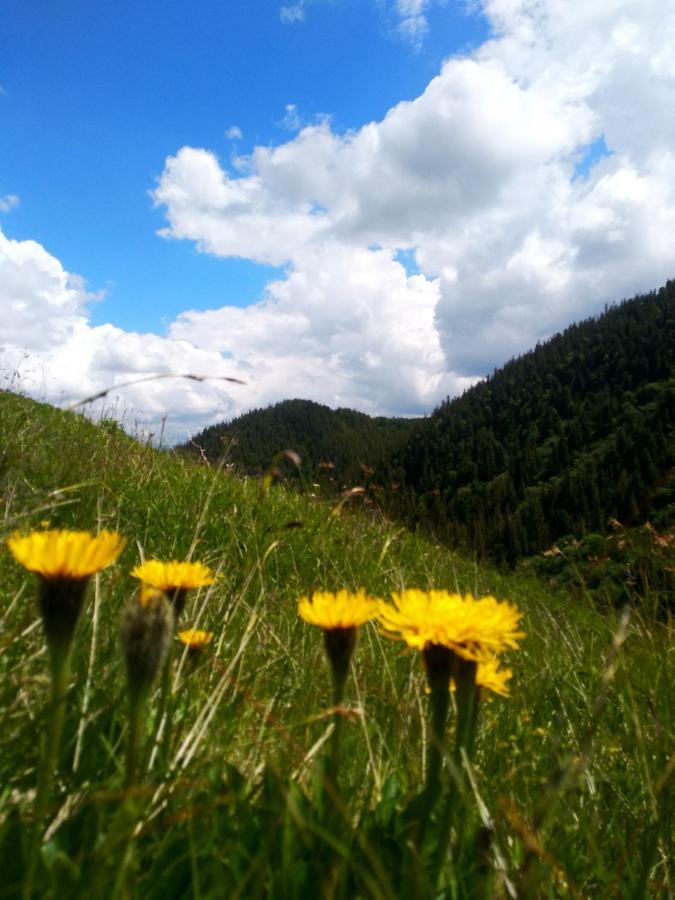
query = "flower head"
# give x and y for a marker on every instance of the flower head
(195, 639)
(490, 677)
(173, 575)
(475, 629)
(65, 555)
(63, 561)
(342, 609)
(339, 615)
(174, 578)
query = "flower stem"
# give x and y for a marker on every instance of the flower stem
(467, 707)
(466, 698)
(56, 709)
(55, 720)
(439, 662)
(136, 709)
(333, 755)
(339, 643)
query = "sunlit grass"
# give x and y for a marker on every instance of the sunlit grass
(570, 789)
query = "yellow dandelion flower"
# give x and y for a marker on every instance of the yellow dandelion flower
(343, 609)
(491, 678)
(63, 561)
(174, 578)
(339, 615)
(148, 595)
(194, 638)
(474, 628)
(173, 575)
(65, 555)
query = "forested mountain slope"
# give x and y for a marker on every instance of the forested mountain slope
(337, 447)
(579, 431)
(572, 444)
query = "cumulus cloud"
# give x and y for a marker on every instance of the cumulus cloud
(347, 326)
(475, 181)
(49, 349)
(476, 178)
(234, 133)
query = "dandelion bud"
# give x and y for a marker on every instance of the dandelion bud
(147, 624)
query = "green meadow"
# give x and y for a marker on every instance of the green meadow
(568, 791)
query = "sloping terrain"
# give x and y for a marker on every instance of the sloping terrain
(572, 773)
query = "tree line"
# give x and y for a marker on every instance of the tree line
(554, 446)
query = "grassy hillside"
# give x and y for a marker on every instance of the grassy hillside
(570, 791)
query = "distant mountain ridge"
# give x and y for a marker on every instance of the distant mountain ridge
(574, 434)
(337, 447)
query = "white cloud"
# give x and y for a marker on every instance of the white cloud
(291, 120)
(410, 17)
(49, 348)
(292, 12)
(8, 202)
(234, 133)
(347, 326)
(474, 179)
(413, 24)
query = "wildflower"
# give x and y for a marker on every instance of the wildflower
(460, 637)
(343, 609)
(174, 578)
(339, 615)
(474, 629)
(68, 555)
(64, 561)
(489, 677)
(195, 639)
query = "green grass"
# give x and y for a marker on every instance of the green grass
(572, 778)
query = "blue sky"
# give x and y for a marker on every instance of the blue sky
(97, 95)
(368, 203)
